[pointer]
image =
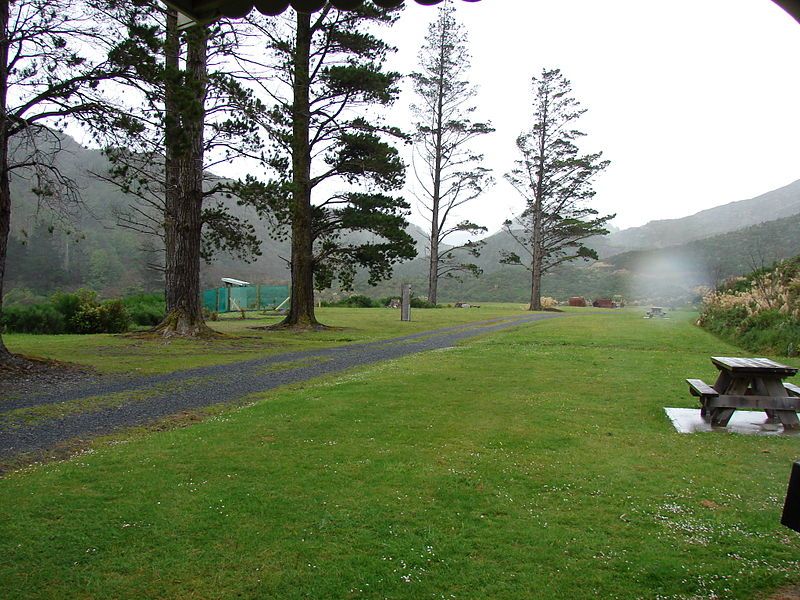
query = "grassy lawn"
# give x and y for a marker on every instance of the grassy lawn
(130, 354)
(532, 463)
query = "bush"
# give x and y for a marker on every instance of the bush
(21, 296)
(420, 303)
(760, 312)
(38, 318)
(357, 301)
(109, 317)
(70, 304)
(548, 303)
(770, 331)
(147, 310)
(361, 301)
(68, 313)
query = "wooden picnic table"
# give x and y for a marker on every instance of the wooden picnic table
(749, 383)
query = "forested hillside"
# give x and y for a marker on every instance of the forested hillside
(56, 244)
(713, 259)
(663, 275)
(85, 247)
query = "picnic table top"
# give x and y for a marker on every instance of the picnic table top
(753, 365)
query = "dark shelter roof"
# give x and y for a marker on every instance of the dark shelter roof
(205, 11)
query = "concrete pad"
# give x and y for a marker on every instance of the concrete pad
(748, 422)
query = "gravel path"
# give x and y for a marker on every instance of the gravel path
(144, 400)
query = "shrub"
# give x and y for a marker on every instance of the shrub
(38, 318)
(356, 301)
(360, 301)
(109, 317)
(68, 313)
(114, 318)
(548, 302)
(420, 303)
(147, 310)
(760, 312)
(21, 296)
(69, 304)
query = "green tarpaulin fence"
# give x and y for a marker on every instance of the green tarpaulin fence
(251, 297)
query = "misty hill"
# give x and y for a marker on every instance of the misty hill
(86, 247)
(663, 272)
(777, 204)
(89, 249)
(272, 266)
(711, 260)
(59, 244)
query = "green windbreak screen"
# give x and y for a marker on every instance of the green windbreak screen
(251, 297)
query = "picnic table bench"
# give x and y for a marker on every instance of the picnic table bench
(755, 383)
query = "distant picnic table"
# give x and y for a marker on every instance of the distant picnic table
(755, 383)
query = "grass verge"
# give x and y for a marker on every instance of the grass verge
(532, 463)
(145, 356)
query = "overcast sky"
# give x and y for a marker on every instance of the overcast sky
(695, 102)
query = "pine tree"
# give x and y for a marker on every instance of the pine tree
(327, 131)
(556, 182)
(450, 174)
(187, 112)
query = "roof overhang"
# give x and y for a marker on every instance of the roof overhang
(191, 12)
(790, 6)
(206, 11)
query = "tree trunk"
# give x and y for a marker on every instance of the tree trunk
(537, 248)
(536, 279)
(301, 310)
(5, 192)
(184, 122)
(433, 274)
(537, 254)
(5, 226)
(537, 240)
(433, 277)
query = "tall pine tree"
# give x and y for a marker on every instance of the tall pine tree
(447, 169)
(187, 114)
(556, 182)
(331, 151)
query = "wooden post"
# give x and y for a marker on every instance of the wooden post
(405, 302)
(258, 296)
(216, 296)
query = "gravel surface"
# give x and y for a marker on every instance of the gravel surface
(156, 397)
(38, 377)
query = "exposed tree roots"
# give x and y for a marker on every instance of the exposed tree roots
(178, 324)
(298, 327)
